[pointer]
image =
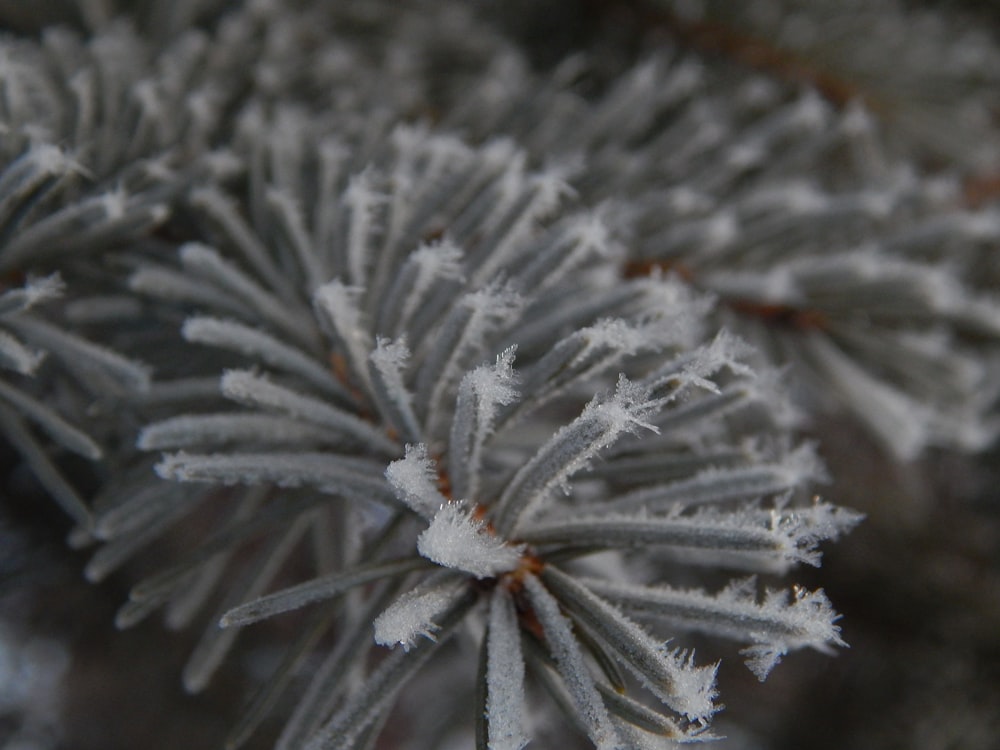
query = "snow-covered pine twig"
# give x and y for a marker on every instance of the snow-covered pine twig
(433, 380)
(418, 444)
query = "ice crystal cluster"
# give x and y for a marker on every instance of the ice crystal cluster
(452, 369)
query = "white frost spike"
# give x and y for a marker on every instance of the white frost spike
(550, 188)
(471, 322)
(757, 536)
(591, 233)
(726, 350)
(494, 386)
(504, 675)
(363, 200)
(414, 481)
(412, 615)
(390, 360)
(617, 335)
(694, 685)
(571, 449)
(803, 466)
(624, 411)
(480, 394)
(455, 540)
(441, 260)
(810, 619)
(772, 627)
(819, 522)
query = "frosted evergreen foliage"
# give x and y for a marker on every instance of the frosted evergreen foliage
(823, 247)
(482, 386)
(98, 136)
(933, 77)
(424, 377)
(47, 376)
(20, 358)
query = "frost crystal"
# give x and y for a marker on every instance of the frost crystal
(412, 616)
(414, 480)
(455, 540)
